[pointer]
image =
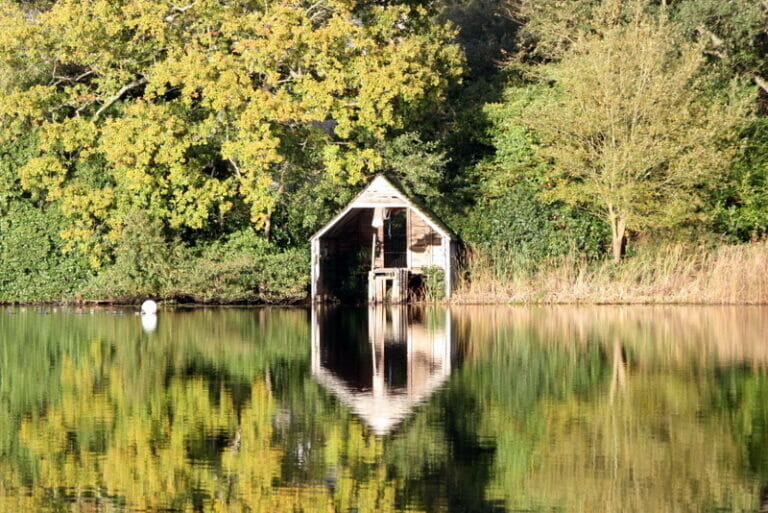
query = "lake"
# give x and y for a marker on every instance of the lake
(487, 409)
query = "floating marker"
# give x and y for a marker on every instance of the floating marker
(148, 307)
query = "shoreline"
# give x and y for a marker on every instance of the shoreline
(307, 304)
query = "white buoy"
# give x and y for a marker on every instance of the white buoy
(148, 307)
(149, 322)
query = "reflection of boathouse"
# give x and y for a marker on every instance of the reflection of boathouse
(381, 242)
(385, 365)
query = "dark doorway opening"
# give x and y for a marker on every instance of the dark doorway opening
(395, 239)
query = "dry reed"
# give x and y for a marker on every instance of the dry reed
(728, 274)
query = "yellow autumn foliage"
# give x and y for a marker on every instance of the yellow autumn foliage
(186, 110)
(102, 444)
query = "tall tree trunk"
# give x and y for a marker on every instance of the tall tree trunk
(618, 234)
(280, 188)
(268, 226)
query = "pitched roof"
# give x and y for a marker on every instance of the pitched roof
(382, 412)
(384, 191)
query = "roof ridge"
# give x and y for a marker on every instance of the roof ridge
(414, 202)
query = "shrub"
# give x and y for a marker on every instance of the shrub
(144, 263)
(34, 264)
(516, 232)
(434, 283)
(245, 267)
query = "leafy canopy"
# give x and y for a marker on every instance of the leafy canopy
(631, 127)
(192, 112)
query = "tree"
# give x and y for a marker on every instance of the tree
(631, 126)
(735, 34)
(211, 109)
(550, 27)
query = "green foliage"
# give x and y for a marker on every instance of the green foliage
(214, 110)
(241, 268)
(35, 264)
(517, 232)
(434, 283)
(152, 137)
(551, 26)
(734, 33)
(511, 225)
(565, 43)
(307, 207)
(420, 166)
(514, 158)
(486, 33)
(631, 128)
(245, 267)
(741, 200)
(12, 156)
(144, 262)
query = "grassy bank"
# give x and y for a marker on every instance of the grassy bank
(728, 274)
(245, 271)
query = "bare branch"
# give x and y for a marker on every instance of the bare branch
(716, 53)
(761, 82)
(82, 76)
(61, 79)
(185, 8)
(132, 85)
(234, 165)
(180, 10)
(83, 107)
(714, 38)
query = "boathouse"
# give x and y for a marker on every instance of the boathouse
(382, 246)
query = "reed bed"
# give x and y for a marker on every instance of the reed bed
(674, 273)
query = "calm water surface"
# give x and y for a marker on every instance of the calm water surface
(591, 409)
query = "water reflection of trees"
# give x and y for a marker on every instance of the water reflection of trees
(622, 409)
(583, 409)
(214, 411)
(665, 334)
